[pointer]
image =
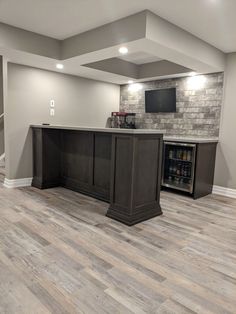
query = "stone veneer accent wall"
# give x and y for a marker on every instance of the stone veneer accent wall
(198, 107)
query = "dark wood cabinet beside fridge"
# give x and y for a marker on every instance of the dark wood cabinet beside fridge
(189, 167)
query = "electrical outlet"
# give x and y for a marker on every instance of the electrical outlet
(52, 112)
(52, 103)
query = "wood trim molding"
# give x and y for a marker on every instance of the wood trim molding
(220, 190)
(17, 183)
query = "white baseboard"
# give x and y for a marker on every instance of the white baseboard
(220, 190)
(17, 183)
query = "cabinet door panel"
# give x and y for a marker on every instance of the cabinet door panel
(147, 170)
(122, 172)
(205, 168)
(51, 156)
(77, 156)
(102, 161)
(37, 157)
(46, 158)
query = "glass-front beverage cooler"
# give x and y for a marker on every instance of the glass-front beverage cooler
(179, 166)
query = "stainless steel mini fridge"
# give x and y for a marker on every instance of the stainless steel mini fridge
(179, 166)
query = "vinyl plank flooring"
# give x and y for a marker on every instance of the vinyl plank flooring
(59, 253)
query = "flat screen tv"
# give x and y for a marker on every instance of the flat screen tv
(160, 100)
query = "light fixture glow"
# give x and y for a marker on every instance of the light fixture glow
(123, 50)
(130, 82)
(135, 87)
(196, 82)
(59, 66)
(192, 73)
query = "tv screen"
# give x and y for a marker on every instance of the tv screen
(160, 100)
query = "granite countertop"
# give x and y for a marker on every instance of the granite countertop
(108, 130)
(191, 139)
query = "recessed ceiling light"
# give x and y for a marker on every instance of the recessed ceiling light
(192, 73)
(59, 66)
(130, 82)
(123, 50)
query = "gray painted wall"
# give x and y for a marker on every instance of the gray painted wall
(22, 40)
(183, 48)
(142, 71)
(225, 174)
(161, 68)
(117, 66)
(78, 101)
(198, 105)
(121, 31)
(1, 110)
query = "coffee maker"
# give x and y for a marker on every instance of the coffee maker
(123, 120)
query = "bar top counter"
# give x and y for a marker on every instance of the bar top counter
(195, 140)
(170, 138)
(97, 129)
(120, 166)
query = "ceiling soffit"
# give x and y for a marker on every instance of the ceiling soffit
(142, 32)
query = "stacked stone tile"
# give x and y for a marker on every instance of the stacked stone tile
(198, 110)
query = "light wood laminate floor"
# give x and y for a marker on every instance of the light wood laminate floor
(60, 254)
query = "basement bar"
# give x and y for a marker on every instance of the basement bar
(119, 166)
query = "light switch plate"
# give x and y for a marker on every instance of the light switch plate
(52, 112)
(52, 103)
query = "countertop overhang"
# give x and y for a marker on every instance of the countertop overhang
(92, 129)
(130, 131)
(194, 140)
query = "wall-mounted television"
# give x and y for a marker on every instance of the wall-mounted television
(160, 100)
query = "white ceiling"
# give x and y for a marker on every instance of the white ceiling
(212, 20)
(140, 58)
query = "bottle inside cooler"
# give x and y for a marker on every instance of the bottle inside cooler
(178, 167)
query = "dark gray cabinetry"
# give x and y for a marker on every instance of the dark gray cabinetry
(76, 160)
(47, 158)
(123, 169)
(204, 169)
(86, 162)
(135, 177)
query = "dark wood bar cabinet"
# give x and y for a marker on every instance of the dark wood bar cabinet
(119, 166)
